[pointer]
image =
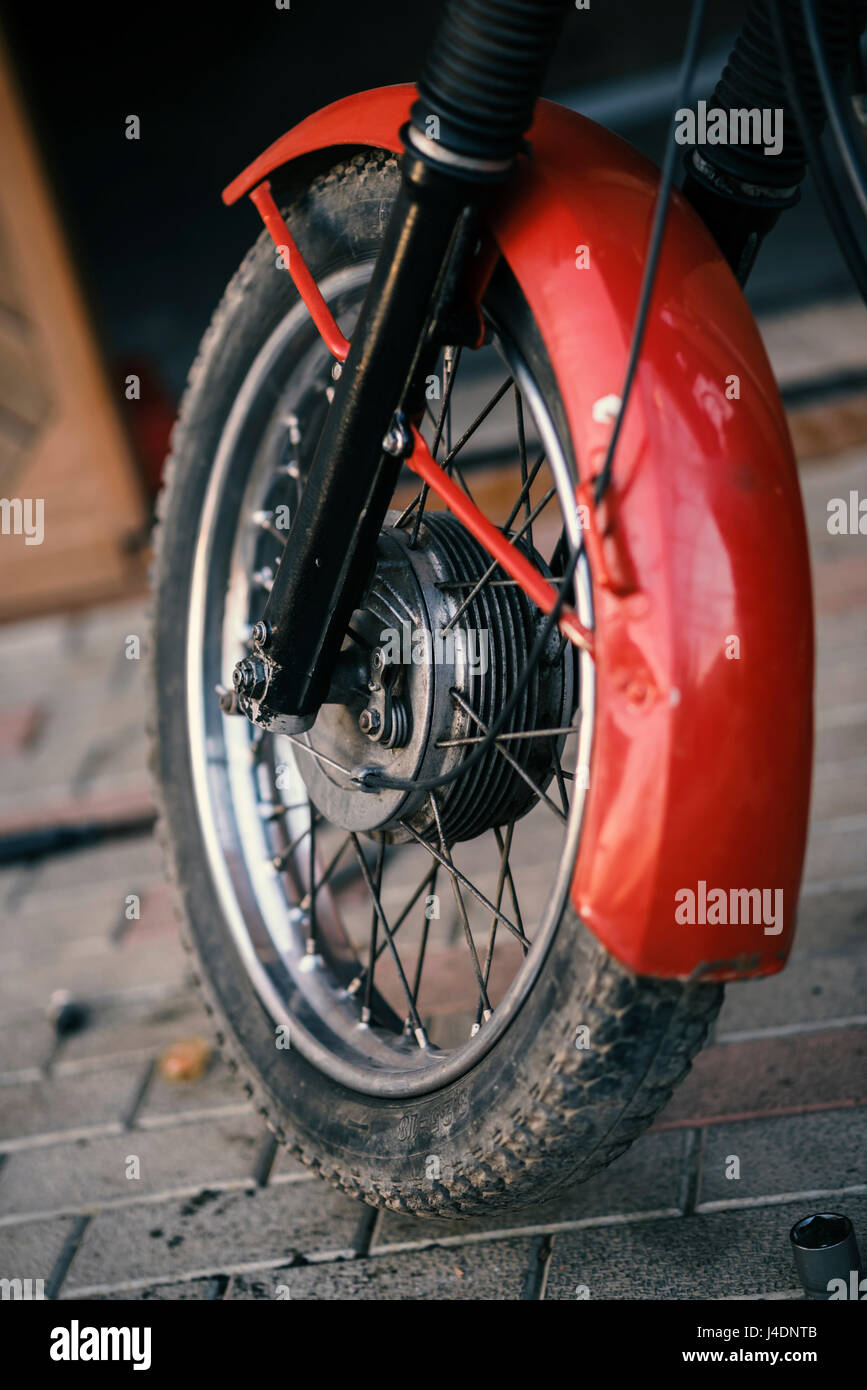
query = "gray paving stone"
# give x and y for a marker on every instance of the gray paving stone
(60, 917)
(832, 923)
(491, 1270)
(841, 729)
(25, 1042)
(125, 861)
(88, 969)
(54, 1105)
(831, 853)
(185, 1290)
(212, 1232)
(216, 1090)
(131, 1025)
(31, 1251)
(93, 742)
(720, 1255)
(839, 788)
(646, 1177)
(15, 881)
(90, 1172)
(809, 990)
(801, 1153)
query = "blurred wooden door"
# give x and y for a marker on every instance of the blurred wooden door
(64, 455)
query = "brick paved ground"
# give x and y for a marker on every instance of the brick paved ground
(217, 1213)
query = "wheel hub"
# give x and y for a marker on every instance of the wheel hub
(426, 668)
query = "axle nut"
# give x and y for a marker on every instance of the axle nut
(250, 676)
(369, 721)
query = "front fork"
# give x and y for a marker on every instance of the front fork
(328, 558)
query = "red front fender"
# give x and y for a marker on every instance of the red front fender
(702, 747)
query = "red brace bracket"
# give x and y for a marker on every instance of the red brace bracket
(304, 283)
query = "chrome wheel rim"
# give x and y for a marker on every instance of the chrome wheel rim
(252, 799)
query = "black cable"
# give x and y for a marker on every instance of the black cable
(657, 234)
(846, 133)
(374, 777)
(831, 202)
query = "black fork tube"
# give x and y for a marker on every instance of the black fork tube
(331, 546)
(476, 99)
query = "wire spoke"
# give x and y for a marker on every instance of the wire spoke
(561, 785)
(522, 449)
(484, 1001)
(471, 887)
(450, 371)
(513, 892)
(281, 860)
(505, 850)
(309, 898)
(468, 709)
(479, 420)
(504, 738)
(523, 498)
(355, 985)
(379, 918)
(419, 965)
(311, 924)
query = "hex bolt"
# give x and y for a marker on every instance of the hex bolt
(369, 721)
(250, 675)
(337, 370)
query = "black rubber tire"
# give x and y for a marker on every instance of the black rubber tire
(536, 1113)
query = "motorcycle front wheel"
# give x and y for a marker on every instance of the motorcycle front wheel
(398, 977)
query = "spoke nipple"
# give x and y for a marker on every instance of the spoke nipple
(365, 1017)
(354, 985)
(474, 1030)
(421, 1037)
(487, 1014)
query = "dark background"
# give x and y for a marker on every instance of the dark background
(214, 84)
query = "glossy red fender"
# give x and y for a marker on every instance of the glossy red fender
(702, 746)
